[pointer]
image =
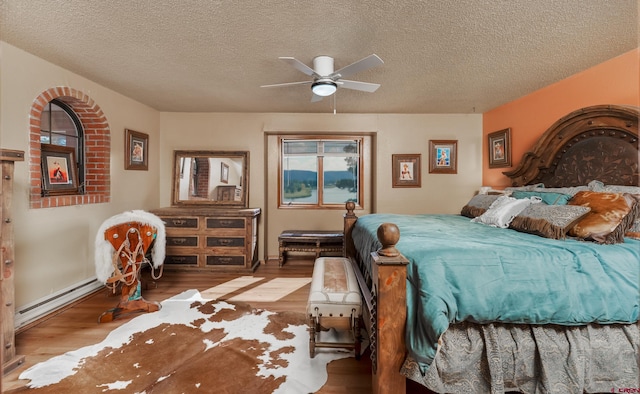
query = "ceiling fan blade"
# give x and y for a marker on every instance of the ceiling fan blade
(286, 84)
(297, 64)
(356, 85)
(360, 65)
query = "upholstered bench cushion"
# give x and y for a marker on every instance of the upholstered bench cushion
(334, 289)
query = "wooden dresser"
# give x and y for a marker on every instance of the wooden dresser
(10, 359)
(213, 239)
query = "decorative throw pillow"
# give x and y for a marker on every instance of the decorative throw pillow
(611, 215)
(549, 198)
(571, 190)
(503, 210)
(525, 188)
(634, 230)
(478, 205)
(549, 221)
(597, 186)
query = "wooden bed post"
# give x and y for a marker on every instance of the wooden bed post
(389, 291)
(350, 219)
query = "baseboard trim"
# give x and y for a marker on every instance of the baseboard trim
(53, 302)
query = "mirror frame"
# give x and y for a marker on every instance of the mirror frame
(180, 154)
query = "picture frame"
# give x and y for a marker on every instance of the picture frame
(443, 156)
(406, 170)
(224, 173)
(136, 150)
(59, 170)
(499, 144)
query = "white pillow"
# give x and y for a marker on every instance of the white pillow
(503, 210)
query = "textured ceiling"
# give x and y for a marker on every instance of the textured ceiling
(458, 56)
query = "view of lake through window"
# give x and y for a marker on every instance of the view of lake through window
(333, 164)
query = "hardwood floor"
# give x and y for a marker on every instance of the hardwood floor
(77, 326)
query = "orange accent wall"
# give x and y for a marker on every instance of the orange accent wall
(616, 81)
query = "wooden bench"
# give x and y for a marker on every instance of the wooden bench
(314, 241)
(334, 307)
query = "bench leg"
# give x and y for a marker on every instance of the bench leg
(312, 336)
(281, 254)
(357, 338)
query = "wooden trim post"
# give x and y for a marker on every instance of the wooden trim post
(10, 360)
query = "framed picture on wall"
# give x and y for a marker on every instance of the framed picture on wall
(500, 148)
(59, 170)
(406, 170)
(443, 156)
(136, 150)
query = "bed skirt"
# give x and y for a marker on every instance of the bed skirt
(497, 358)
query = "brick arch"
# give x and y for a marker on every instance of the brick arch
(97, 148)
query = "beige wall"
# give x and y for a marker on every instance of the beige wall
(440, 193)
(54, 246)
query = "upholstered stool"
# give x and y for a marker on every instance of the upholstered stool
(334, 303)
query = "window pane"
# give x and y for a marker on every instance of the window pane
(340, 179)
(300, 180)
(57, 139)
(340, 147)
(300, 147)
(45, 125)
(61, 122)
(71, 142)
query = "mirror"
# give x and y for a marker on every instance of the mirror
(218, 178)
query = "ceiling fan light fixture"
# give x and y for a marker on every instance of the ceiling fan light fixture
(324, 88)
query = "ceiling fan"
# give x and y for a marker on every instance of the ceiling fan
(326, 81)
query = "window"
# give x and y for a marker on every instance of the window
(92, 138)
(320, 172)
(60, 126)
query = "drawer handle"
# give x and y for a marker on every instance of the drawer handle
(179, 241)
(225, 223)
(179, 222)
(224, 242)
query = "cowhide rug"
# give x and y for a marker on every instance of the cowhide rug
(193, 345)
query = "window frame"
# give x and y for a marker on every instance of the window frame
(320, 204)
(79, 151)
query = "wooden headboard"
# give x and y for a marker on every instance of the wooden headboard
(592, 143)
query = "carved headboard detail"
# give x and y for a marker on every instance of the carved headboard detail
(592, 143)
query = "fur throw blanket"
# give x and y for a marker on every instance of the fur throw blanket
(104, 250)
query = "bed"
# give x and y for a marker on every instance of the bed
(459, 303)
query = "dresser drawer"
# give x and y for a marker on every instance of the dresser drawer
(181, 260)
(214, 239)
(182, 241)
(225, 260)
(225, 241)
(181, 222)
(225, 223)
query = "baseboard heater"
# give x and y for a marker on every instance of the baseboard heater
(42, 307)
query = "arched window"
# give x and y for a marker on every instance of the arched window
(60, 126)
(66, 126)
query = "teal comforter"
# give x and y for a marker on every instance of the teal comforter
(463, 271)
